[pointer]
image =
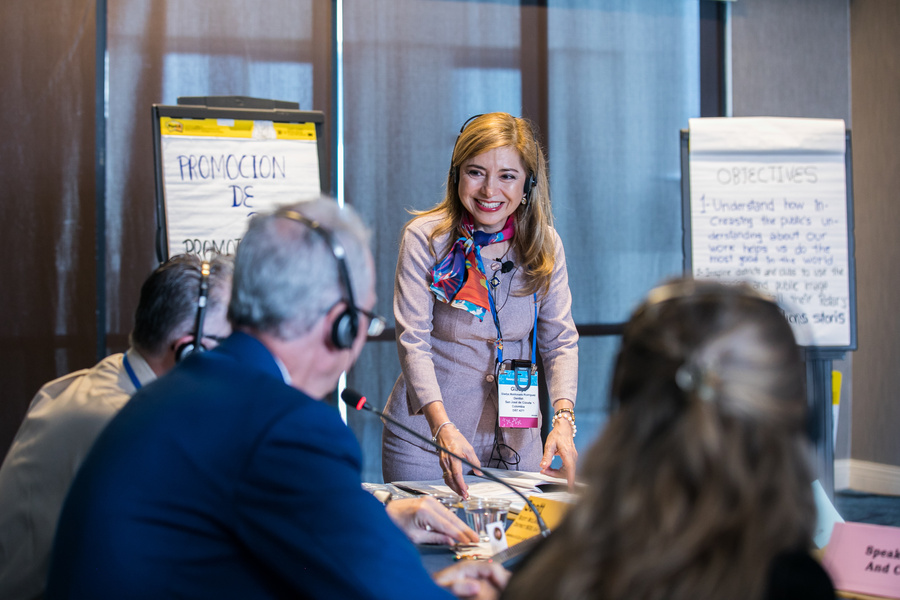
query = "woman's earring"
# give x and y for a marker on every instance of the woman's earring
(524, 199)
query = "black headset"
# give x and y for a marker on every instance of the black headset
(346, 325)
(195, 346)
(530, 183)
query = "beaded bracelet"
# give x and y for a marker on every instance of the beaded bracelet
(566, 410)
(441, 426)
(568, 415)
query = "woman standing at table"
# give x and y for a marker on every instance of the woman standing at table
(476, 275)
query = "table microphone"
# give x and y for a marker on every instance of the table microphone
(358, 401)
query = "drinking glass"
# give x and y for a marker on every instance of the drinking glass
(481, 511)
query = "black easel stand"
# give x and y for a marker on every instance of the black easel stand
(238, 102)
(819, 397)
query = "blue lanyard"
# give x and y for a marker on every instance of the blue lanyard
(131, 373)
(499, 341)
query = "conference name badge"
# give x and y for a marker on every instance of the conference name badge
(517, 393)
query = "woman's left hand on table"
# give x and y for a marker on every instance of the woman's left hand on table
(561, 442)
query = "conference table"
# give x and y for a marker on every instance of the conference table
(534, 485)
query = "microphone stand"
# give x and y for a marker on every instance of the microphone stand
(358, 401)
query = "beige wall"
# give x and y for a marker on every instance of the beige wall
(875, 48)
(791, 59)
(841, 59)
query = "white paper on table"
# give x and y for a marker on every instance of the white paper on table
(479, 487)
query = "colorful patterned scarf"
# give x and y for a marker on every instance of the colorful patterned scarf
(460, 278)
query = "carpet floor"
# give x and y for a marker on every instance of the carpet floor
(861, 507)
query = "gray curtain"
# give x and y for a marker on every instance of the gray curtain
(609, 83)
(622, 78)
(161, 50)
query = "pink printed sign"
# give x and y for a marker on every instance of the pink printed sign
(519, 422)
(864, 558)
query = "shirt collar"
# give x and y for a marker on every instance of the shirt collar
(141, 369)
(283, 369)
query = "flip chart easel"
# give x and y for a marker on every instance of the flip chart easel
(768, 201)
(220, 160)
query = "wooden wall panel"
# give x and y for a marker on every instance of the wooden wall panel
(47, 274)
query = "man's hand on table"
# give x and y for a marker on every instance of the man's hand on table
(425, 521)
(477, 579)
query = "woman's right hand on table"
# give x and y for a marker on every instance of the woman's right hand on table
(450, 438)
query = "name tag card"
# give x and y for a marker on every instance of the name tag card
(865, 559)
(517, 394)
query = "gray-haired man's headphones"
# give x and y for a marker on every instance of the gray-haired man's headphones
(346, 326)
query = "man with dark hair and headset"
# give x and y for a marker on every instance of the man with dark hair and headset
(182, 309)
(228, 478)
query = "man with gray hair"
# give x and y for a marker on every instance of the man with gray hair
(228, 478)
(67, 414)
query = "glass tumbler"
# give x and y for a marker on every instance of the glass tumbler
(481, 511)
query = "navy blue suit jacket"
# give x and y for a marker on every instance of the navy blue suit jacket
(220, 481)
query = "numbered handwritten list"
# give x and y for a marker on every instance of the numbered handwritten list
(769, 207)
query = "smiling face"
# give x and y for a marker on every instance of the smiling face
(491, 186)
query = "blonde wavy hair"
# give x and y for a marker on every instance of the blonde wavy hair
(701, 477)
(533, 241)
